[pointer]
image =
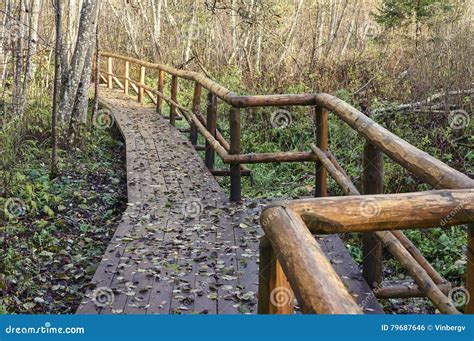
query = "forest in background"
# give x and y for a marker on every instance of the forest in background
(376, 55)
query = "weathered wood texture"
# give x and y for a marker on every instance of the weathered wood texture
(350, 273)
(109, 72)
(425, 166)
(126, 81)
(141, 91)
(418, 256)
(337, 174)
(211, 125)
(161, 88)
(386, 211)
(274, 291)
(160, 261)
(220, 91)
(174, 96)
(193, 135)
(235, 176)
(416, 271)
(175, 250)
(372, 183)
(407, 290)
(317, 287)
(420, 163)
(322, 141)
(349, 189)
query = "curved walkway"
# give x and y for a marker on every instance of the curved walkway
(181, 246)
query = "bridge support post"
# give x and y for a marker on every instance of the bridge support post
(272, 283)
(161, 87)
(193, 135)
(235, 175)
(211, 124)
(322, 138)
(109, 73)
(174, 97)
(126, 82)
(141, 91)
(372, 183)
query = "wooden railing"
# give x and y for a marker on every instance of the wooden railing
(288, 228)
(303, 268)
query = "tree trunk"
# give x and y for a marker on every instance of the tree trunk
(85, 39)
(57, 85)
(81, 104)
(18, 96)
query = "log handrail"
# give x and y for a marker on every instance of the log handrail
(304, 267)
(420, 163)
(312, 278)
(383, 212)
(378, 140)
(423, 165)
(223, 93)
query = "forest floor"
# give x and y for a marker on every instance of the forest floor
(56, 232)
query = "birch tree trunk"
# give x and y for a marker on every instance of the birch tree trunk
(85, 39)
(289, 38)
(3, 36)
(233, 16)
(17, 34)
(156, 6)
(191, 33)
(30, 63)
(81, 104)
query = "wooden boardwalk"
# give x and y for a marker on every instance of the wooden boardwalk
(181, 246)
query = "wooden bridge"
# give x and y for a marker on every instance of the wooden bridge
(184, 247)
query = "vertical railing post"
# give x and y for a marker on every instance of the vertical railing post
(126, 82)
(211, 124)
(193, 135)
(272, 282)
(235, 175)
(372, 183)
(322, 138)
(469, 309)
(174, 98)
(141, 91)
(109, 73)
(161, 88)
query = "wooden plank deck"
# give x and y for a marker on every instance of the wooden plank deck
(181, 246)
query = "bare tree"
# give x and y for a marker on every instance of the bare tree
(57, 85)
(85, 39)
